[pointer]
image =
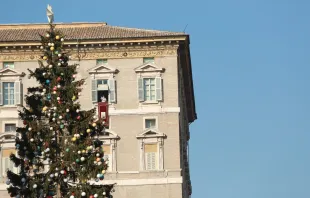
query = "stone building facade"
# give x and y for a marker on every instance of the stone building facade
(146, 78)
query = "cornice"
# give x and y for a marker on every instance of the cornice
(86, 52)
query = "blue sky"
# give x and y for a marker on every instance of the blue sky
(251, 72)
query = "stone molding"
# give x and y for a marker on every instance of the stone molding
(93, 53)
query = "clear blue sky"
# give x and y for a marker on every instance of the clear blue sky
(251, 71)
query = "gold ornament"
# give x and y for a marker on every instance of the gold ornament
(52, 48)
(73, 98)
(94, 124)
(73, 139)
(57, 37)
(103, 172)
(45, 57)
(88, 130)
(44, 108)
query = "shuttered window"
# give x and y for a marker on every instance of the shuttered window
(151, 156)
(108, 155)
(7, 163)
(150, 89)
(8, 93)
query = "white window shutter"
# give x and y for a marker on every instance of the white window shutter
(94, 90)
(17, 92)
(110, 162)
(1, 96)
(148, 161)
(153, 161)
(112, 96)
(140, 89)
(159, 92)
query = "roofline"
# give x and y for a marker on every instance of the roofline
(33, 25)
(102, 41)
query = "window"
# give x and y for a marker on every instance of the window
(101, 61)
(103, 90)
(150, 89)
(6, 162)
(151, 149)
(8, 65)
(10, 128)
(148, 60)
(151, 156)
(150, 123)
(107, 155)
(8, 93)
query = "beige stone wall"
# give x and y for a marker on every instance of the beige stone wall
(128, 126)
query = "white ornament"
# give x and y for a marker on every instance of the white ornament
(79, 93)
(62, 39)
(60, 117)
(41, 47)
(31, 140)
(58, 86)
(50, 66)
(82, 159)
(51, 128)
(104, 193)
(51, 175)
(49, 44)
(54, 92)
(42, 93)
(44, 90)
(34, 186)
(79, 152)
(29, 129)
(98, 175)
(43, 73)
(67, 110)
(95, 195)
(58, 98)
(59, 64)
(83, 193)
(55, 108)
(56, 174)
(71, 196)
(47, 150)
(99, 163)
(53, 119)
(65, 180)
(52, 44)
(48, 114)
(77, 110)
(62, 171)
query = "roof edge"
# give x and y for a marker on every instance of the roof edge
(42, 25)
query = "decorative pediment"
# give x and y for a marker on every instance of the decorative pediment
(108, 134)
(102, 69)
(149, 67)
(10, 72)
(8, 136)
(150, 133)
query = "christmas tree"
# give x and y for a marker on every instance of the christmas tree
(59, 153)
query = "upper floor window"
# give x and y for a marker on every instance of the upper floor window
(10, 93)
(8, 65)
(101, 61)
(148, 60)
(103, 90)
(150, 89)
(10, 128)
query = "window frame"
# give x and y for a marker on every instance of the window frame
(155, 138)
(9, 124)
(14, 95)
(8, 63)
(150, 118)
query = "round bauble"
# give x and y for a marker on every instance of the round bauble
(34, 186)
(67, 110)
(73, 139)
(41, 47)
(58, 86)
(59, 64)
(31, 140)
(94, 124)
(51, 128)
(55, 108)
(47, 35)
(88, 130)
(65, 180)
(71, 196)
(73, 76)
(44, 90)
(62, 39)
(58, 98)
(52, 48)
(77, 110)
(57, 37)
(51, 175)
(29, 129)
(104, 193)
(52, 44)
(50, 66)
(56, 174)
(95, 195)
(82, 159)
(98, 154)
(83, 194)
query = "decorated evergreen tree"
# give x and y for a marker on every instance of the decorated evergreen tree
(59, 153)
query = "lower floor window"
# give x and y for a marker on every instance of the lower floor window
(10, 127)
(108, 155)
(6, 162)
(151, 156)
(8, 93)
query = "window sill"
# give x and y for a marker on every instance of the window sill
(150, 102)
(8, 106)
